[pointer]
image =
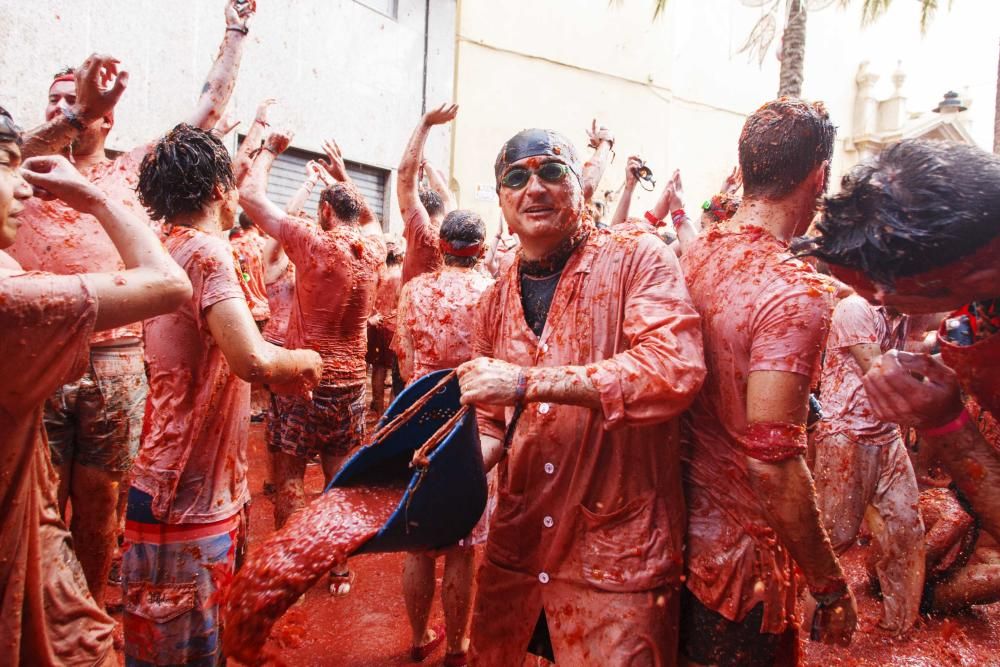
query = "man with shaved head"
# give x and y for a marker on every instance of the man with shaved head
(587, 350)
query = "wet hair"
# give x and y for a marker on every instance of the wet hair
(781, 144)
(345, 200)
(917, 206)
(395, 249)
(245, 221)
(431, 200)
(68, 69)
(462, 228)
(178, 175)
(10, 132)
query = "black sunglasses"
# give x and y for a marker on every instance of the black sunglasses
(550, 172)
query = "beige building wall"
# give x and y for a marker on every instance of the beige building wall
(676, 90)
(338, 68)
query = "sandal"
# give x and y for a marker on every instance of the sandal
(456, 659)
(420, 653)
(340, 585)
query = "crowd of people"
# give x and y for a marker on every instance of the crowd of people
(685, 422)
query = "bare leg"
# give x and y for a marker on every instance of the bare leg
(378, 389)
(456, 596)
(973, 584)
(94, 524)
(340, 585)
(290, 493)
(332, 464)
(418, 593)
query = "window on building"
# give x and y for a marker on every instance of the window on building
(387, 7)
(289, 171)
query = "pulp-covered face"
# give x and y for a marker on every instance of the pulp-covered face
(14, 191)
(541, 210)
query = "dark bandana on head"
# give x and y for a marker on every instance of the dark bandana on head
(535, 143)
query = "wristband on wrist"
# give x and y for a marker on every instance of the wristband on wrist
(73, 120)
(653, 220)
(955, 424)
(243, 31)
(678, 215)
(827, 595)
(522, 387)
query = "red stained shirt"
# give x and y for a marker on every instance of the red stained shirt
(423, 254)
(54, 237)
(846, 408)
(280, 295)
(193, 459)
(48, 615)
(437, 313)
(249, 255)
(761, 310)
(336, 276)
(593, 496)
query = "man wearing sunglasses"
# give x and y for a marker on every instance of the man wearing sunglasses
(587, 349)
(94, 423)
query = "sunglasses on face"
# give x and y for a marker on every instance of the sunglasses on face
(550, 172)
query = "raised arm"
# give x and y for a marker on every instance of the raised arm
(253, 191)
(152, 283)
(602, 141)
(671, 203)
(631, 180)
(99, 86)
(337, 169)
(408, 178)
(251, 142)
(221, 78)
(314, 173)
(439, 183)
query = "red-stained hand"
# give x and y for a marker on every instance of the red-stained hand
(733, 182)
(913, 389)
(99, 86)
(52, 176)
(487, 381)
(262, 110)
(315, 172)
(598, 133)
(443, 114)
(311, 371)
(279, 140)
(836, 623)
(632, 168)
(238, 13)
(334, 164)
(226, 124)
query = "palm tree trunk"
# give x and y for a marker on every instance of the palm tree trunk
(793, 50)
(996, 115)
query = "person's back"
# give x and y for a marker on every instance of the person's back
(335, 283)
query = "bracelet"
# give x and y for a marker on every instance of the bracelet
(955, 424)
(522, 387)
(653, 220)
(243, 31)
(827, 595)
(73, 120)
(678, 215)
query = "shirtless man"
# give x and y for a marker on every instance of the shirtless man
(186, 518)
(588, 347)
(752, 512)
(336, 274)
(94, 423)
(49, 616)
(382, 323)
(918, 229)
(434, 332)
(422, 208)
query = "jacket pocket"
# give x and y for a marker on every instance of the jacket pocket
(505, 538)
(629, 549)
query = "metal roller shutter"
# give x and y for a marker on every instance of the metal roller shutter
(289, 171)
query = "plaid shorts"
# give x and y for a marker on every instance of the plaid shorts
(96, 421)
(331, 424)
